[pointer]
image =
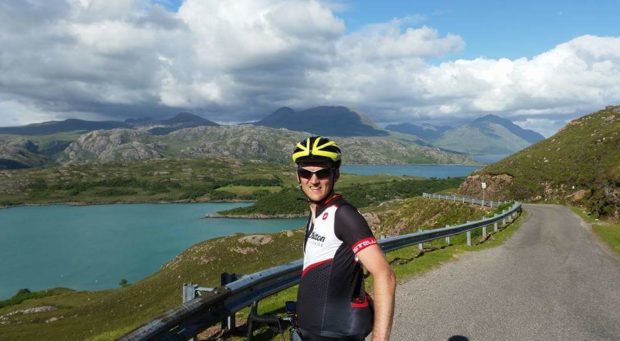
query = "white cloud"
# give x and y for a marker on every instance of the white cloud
(544, 126)
(241, 59)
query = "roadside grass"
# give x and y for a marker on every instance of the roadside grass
(606, 231)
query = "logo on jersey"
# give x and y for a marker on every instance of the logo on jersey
(364, 243)
(317, 237)
(325, 215)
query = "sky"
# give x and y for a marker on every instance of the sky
(537, 63)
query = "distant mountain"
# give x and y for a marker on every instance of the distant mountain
(324, 120)
(579, 164)
(69, 125)
(489, 134)
(526, 134)
(425, 131)
(179, 121)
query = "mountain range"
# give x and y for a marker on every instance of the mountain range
(488, 134)
(75, 140)
(190, 136)
(157, 127)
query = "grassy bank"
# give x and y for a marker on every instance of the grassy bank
(105, 315)
(606, 230)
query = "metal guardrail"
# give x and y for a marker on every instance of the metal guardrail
(192, 317)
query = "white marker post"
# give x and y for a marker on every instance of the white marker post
(484, 186)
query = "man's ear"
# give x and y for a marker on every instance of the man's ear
(336, 175)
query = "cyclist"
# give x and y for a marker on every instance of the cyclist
(331, 301)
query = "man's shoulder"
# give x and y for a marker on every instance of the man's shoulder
(339, 201)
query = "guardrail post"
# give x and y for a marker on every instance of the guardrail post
(421, 247)
(189, 291)
(495, 226)
(230, 321)
(463, 200)
(468, 238)
(484, 232)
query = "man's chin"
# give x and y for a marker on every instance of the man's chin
(316, 196)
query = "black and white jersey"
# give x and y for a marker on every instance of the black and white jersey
(331, 298)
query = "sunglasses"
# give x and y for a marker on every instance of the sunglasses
(322, 173)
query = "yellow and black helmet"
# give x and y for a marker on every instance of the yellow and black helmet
(317, 149)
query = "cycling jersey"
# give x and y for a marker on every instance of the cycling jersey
(331, 299)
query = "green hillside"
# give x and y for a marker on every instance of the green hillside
(579, 164)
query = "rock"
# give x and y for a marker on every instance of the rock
(497, 186)
(578, 195)
(54, 319)
(243, 250)
(256, 239)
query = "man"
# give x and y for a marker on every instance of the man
(331, 301)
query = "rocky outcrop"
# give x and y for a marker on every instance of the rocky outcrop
(497, 186)
(274, 145)
(21, 153)
(113, 145)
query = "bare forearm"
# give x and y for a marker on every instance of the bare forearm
(384, 290)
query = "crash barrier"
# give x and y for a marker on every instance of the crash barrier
(218, 304)
(465, 199)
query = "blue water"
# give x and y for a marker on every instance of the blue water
(427, 171)
(94, 247)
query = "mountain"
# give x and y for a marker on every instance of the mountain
(425, 131)
(247, 142)
(69, 125)
(20, 153)
(489, 134)
(179, 121)
(526, 134)
(324, 120)
(579, 164)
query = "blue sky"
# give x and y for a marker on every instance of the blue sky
(496, 29)
(539, 64)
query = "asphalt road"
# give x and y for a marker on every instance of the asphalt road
(551, 281)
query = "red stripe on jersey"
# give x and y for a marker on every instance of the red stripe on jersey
(357, 303)
(314, 265)
(362, 244)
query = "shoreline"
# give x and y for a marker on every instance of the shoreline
(78, 203)
(254, 216)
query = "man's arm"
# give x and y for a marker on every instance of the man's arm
(384, 288)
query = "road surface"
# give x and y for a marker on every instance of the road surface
(551, 281)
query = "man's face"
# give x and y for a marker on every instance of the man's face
(316, 179)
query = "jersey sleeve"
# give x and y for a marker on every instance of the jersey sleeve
(352, 229)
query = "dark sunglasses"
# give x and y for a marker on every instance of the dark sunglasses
(322, 173)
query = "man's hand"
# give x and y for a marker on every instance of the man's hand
(384, 289)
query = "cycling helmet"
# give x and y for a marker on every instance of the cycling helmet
(317, 149)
